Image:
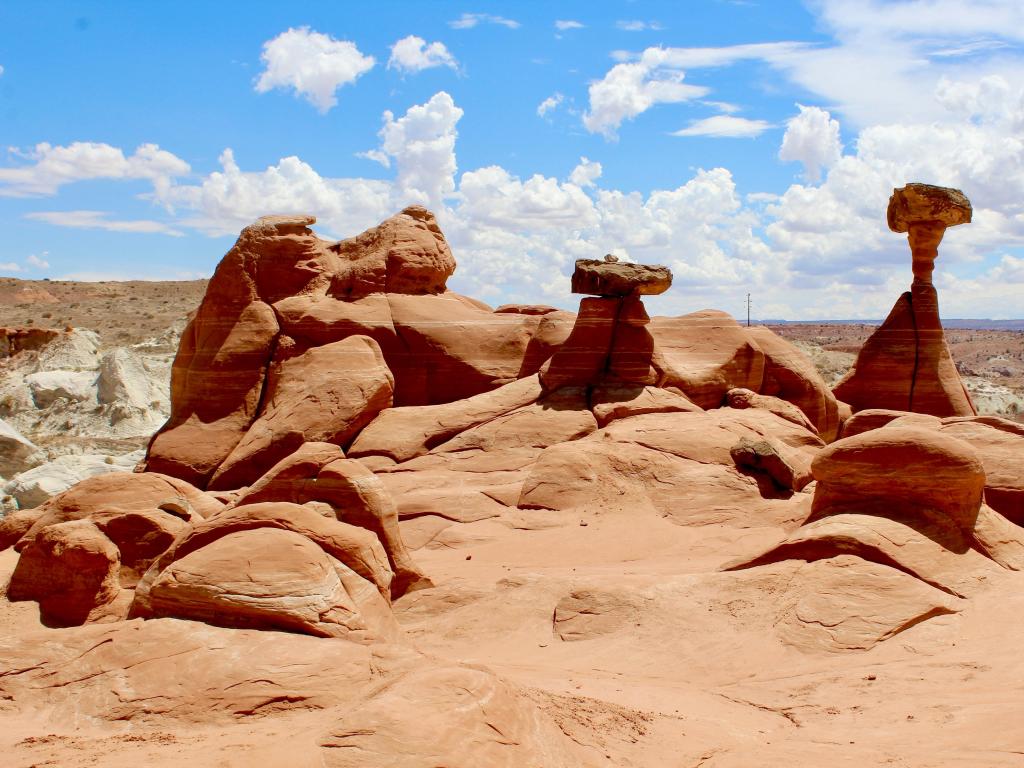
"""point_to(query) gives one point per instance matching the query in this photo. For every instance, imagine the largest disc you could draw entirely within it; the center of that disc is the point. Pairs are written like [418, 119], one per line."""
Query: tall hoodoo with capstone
[905, 365]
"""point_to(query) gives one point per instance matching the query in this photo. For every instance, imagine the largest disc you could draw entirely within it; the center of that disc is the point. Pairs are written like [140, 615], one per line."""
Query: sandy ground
[679, 665]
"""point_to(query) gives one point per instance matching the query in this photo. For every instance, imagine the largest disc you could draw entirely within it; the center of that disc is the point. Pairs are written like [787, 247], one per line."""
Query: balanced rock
[619, 279]
[906, 364]
[924, 211]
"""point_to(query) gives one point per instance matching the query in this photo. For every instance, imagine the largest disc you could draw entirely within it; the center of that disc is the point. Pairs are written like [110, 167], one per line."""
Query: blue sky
[749, 145]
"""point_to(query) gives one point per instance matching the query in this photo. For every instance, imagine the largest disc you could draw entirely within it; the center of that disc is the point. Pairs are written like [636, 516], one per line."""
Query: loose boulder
[898, 467]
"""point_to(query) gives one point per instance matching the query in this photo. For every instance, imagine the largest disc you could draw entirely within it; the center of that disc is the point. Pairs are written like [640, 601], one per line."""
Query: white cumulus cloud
[414, 54]
[586, 173]
[631, 88]
[550, 103]
[51, 167]
[224, 201]
[656, 76]
[725, 126]
[812, 139]
[38, 262]
[565, 24]
[422, 143]
[315, 65]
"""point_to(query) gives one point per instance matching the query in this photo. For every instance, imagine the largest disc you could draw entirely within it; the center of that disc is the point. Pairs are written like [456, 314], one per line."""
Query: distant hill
[966, 324]
[121, 312]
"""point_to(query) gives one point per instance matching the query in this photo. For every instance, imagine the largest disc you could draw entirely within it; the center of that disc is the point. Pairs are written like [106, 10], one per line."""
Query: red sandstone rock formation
[15, 340]
[905, 364]
[566, 479]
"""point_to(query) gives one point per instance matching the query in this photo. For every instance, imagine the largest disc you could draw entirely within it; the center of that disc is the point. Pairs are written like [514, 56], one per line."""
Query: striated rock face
[906, 364]
[643, 521]
[325, 394]
[294, 585]
[314, 574]
[279, 301]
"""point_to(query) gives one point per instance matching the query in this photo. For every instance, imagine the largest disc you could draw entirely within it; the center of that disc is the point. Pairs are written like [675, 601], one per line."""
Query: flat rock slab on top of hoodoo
[615, 278]
[916, 203]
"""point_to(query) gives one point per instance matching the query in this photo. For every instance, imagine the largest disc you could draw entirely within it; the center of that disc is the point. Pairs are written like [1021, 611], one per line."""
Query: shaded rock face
[70, 569]
[906, 364]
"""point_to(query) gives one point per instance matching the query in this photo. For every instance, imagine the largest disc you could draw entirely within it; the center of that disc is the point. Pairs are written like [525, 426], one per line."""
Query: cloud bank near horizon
[817, 249]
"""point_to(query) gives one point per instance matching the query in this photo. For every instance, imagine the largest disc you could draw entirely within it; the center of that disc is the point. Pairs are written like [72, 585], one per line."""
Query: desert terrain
[991, 362]
[132, 312]
[383, 524]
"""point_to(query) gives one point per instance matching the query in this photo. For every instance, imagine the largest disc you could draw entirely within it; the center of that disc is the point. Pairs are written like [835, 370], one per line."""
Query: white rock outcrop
[17, 452]
[33, 487]
[47, 387]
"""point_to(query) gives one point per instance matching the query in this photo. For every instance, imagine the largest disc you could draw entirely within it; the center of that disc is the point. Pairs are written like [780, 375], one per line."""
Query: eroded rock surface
[372, 492]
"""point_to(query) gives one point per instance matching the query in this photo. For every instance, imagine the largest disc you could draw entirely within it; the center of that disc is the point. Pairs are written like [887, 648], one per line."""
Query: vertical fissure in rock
[917, 351]
[611, 341]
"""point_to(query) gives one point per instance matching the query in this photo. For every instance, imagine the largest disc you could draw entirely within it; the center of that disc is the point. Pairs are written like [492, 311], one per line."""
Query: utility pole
[748, 310]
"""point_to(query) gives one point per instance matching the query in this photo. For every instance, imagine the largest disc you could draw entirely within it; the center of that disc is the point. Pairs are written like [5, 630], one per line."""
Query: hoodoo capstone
[611, 277]
[924, 211]
[906, 365]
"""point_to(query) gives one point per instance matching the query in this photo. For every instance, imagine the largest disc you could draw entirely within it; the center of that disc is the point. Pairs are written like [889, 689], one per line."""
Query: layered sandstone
[906, 364]
[635, 521]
